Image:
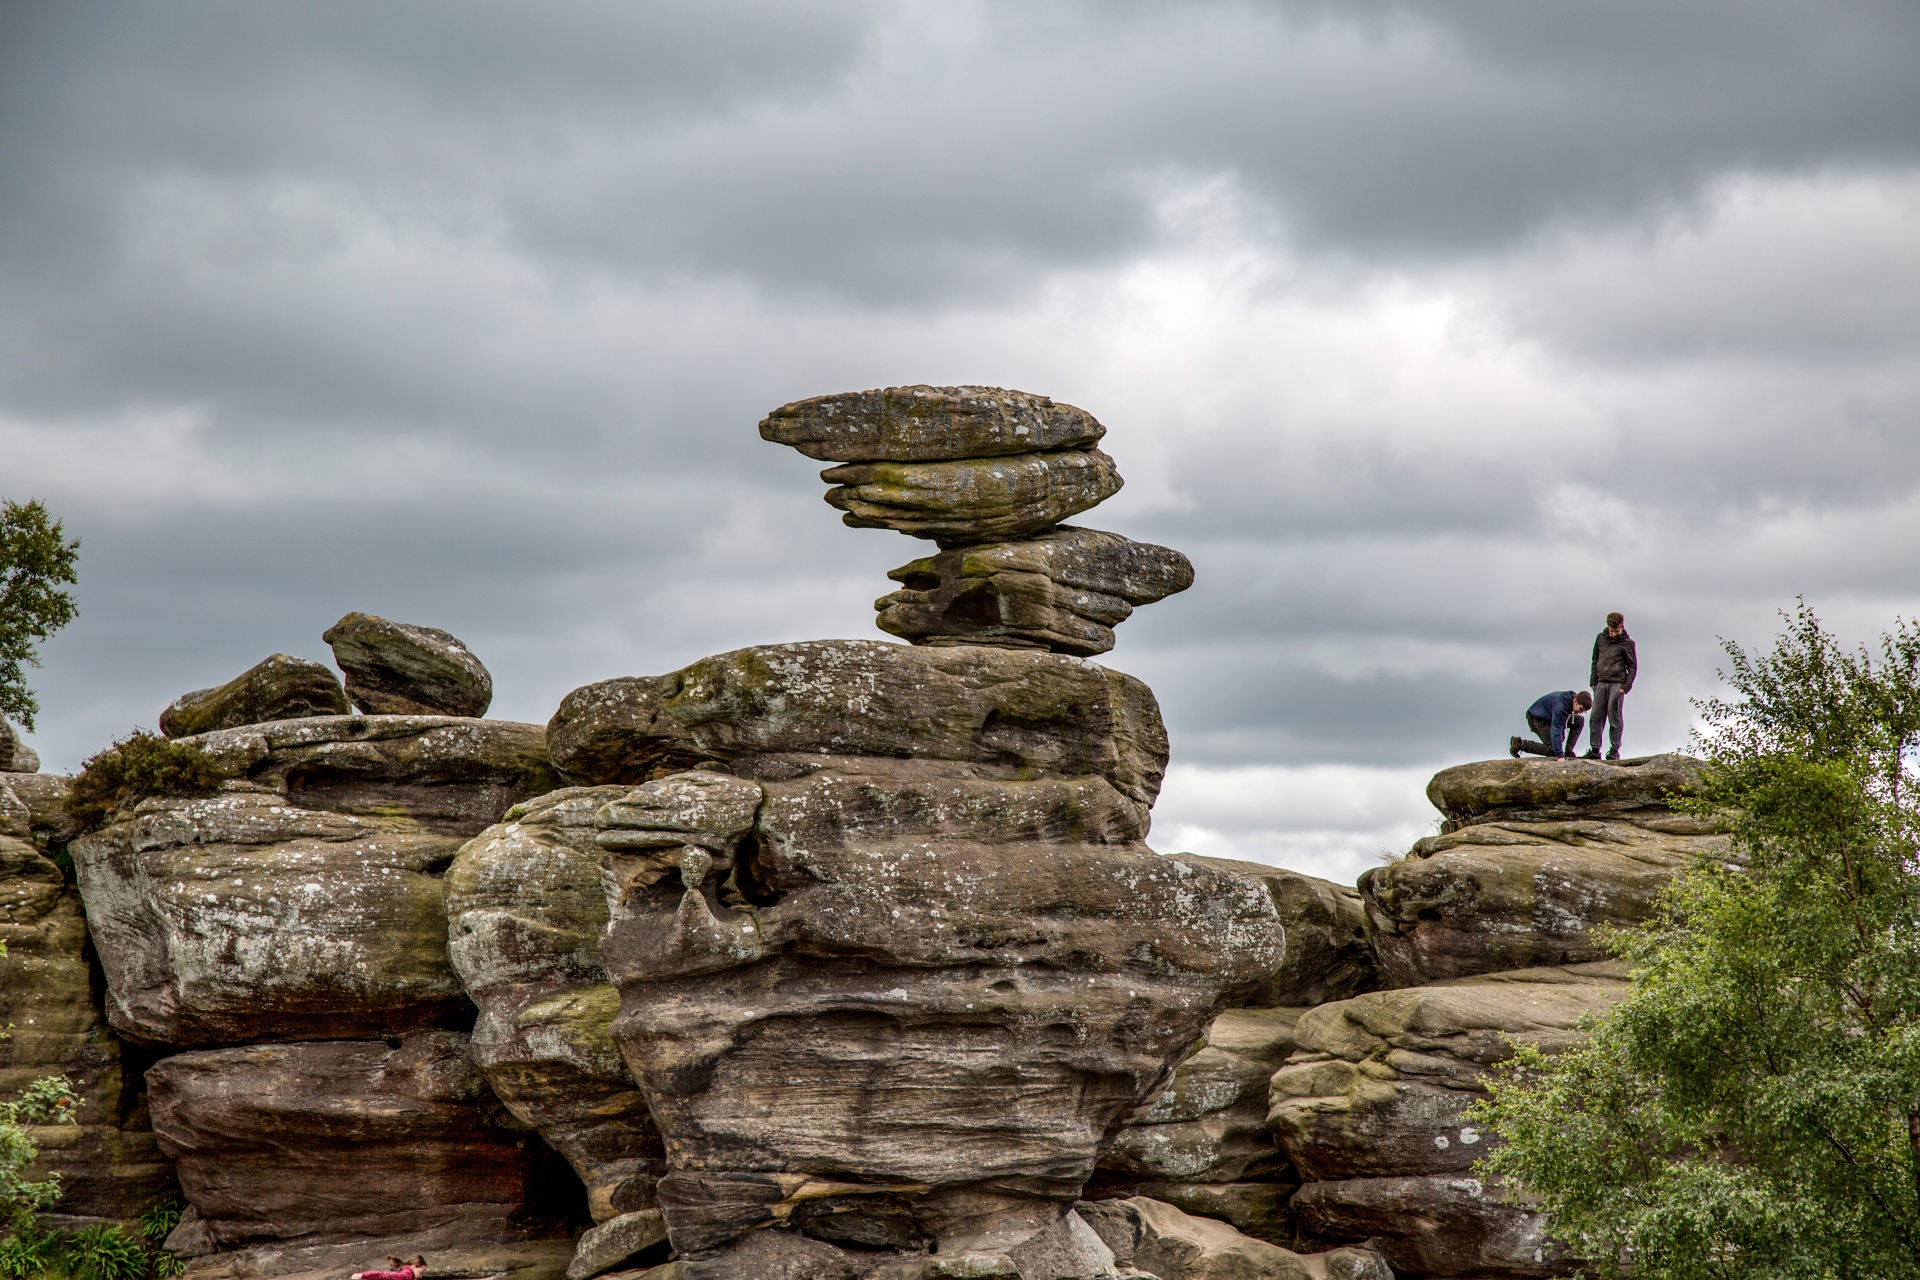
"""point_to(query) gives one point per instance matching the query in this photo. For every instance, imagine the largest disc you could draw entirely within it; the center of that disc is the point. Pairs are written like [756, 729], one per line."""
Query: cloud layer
[1430, 333]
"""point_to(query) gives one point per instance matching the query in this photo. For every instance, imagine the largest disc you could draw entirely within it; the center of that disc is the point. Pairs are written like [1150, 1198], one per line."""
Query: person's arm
[1593, 667]
[1633, 666]
[1558, 733]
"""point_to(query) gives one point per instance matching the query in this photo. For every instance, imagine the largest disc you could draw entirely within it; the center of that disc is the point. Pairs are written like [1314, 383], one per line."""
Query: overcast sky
[1430, 333]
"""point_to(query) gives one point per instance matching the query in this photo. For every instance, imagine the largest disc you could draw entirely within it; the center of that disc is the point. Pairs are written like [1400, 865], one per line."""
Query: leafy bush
[48, 1101]
[105, 1252]
[29, 1252]
[158, 1222]
[141, 764]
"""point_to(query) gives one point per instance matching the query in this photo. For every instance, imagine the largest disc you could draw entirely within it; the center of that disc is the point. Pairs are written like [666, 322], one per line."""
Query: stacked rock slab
[277, 688]
[894, 958]
[1204, 1145]
[1487, 932]
[989, 474]
[289, 931]
[108, 1163]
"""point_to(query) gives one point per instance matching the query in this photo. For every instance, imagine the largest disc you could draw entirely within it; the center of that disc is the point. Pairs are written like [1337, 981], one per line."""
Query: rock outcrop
[276, 688]
[1538, 855]
[108, 1162]
[989, 474]
[15, 755]
[1159, 1240]
[399, 669]
[525, 909]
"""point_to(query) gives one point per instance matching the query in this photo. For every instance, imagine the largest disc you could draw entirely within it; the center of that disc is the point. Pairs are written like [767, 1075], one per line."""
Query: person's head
[1615, 624]
[417, 1260]
[1582, 700]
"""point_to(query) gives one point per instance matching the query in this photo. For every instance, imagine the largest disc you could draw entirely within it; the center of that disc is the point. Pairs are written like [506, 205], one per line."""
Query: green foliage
[30, 1251]
[100, 1252]
[48, 1101]
[104, 1252]
[35, 558]
[141, 764]
[158, 1222]
[1752, 1107]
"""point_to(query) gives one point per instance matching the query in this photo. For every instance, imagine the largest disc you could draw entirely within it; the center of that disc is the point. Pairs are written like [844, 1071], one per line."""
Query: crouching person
[1556, 719]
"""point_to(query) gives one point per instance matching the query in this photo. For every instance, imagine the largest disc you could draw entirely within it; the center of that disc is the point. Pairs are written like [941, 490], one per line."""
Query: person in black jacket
[1555, 719]
[1615, 664]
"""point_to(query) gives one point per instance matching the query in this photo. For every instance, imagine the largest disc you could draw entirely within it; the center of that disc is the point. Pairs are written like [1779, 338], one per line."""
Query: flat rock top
[1540, 789]
[926, 424]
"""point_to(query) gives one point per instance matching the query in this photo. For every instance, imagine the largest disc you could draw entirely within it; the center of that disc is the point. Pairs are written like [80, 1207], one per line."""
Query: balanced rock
[998, 710]
[1203, 1144]
[917, 892]
[928, 424]
[305, 901]
[345, 1138]
[15, 755]
[1064, 590]
[1502, 892]
[277, 688]
[108, 1163]
[972, 499]
[397, 668]
[525, 909]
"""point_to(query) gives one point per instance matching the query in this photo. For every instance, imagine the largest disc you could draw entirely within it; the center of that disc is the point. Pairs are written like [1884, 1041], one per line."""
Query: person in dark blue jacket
[1556, 718]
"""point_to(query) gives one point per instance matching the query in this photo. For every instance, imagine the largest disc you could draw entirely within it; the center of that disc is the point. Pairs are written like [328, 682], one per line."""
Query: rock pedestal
[895, 959]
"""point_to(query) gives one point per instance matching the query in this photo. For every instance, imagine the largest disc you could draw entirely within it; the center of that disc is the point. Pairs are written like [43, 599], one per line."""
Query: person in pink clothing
[412, 1269]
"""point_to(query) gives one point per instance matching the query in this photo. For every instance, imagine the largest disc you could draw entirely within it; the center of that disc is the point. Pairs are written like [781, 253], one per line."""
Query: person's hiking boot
[1513, 747]
[1591, 755]
[1613, 755]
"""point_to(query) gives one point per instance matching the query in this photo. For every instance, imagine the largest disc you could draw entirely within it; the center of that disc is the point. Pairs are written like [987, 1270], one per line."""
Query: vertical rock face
[108, 1163]
[331, 1139]
[525, 909]
[889, 978]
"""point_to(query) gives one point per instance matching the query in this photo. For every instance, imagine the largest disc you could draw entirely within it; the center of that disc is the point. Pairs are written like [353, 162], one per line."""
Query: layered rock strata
[276, 688]
[108, 1163]
[894, 959]
[1488, 933]
[525, 909]
[401, 669]
[989, 474]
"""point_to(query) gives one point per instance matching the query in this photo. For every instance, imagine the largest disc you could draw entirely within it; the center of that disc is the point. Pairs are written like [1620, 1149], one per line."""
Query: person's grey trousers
[1609, 709]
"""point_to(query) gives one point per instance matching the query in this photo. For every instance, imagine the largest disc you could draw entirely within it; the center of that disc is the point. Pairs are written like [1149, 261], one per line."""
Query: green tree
[35, 558]
[48, 1101]
[1752, 1107]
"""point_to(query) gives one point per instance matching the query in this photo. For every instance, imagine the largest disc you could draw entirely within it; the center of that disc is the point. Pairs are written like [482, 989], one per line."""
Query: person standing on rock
[1556, 719]
[1615, 664]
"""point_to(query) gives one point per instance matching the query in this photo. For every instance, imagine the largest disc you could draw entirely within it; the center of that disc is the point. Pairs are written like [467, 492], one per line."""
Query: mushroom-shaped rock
[398, 668]
[928, 424]
[972, 499]
[276, 688]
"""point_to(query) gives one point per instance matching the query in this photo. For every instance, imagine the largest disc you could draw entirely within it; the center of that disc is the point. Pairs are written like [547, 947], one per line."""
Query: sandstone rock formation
[108, 1163]
[1160, 1240]
[15, 755]
[397, 668]
[525, 909]
[1538, 855]
[989, 474]
[917, 892]
[277, 688]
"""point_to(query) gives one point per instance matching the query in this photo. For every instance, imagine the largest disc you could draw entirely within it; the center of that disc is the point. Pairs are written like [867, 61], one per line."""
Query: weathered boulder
[1503, 892]
[891, 1001]
[452, 775]
[927, 424]
[525, 909]
[397, 668]
[1440, 1225]
[1377, 1085]
[1161, 1241]
[616, 1241]
[1329, 955]
[1203, 1144]
[276, 688]
[1064, 590]
[15, 755]
[1547, 790]
[972, 499]
[335, 1139]
[108, 1162]
[239, 917]
[1003, 712]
